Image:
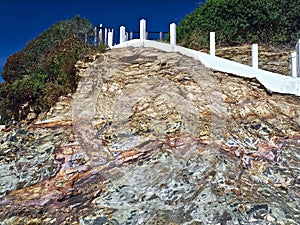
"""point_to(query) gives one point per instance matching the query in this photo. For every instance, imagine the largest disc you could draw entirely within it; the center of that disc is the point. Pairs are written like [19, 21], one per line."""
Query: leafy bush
[273, 22]
[36, 76]
[28, 60]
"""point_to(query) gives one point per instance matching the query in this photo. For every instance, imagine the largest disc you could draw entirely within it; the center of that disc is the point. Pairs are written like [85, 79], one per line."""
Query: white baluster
[110, 38]
[212, 43]
[298, 58]
[122, 34]
[100, 35]
[255, 56]
[143, 29]
[293, 64]
[173, 34]
[105, 36]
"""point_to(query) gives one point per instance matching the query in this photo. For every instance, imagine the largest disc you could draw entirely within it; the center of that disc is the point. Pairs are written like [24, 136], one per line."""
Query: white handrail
[273, 82]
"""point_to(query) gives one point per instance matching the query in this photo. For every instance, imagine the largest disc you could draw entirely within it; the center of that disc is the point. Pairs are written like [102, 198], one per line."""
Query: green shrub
[38, 75]
[273, 22]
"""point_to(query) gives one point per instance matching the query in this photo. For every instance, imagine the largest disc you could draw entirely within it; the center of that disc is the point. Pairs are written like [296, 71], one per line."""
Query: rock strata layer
[155, 138]
[270, 59]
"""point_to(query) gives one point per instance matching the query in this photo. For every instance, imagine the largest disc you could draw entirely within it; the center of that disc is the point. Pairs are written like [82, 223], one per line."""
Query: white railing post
[173, 34]
[100, 35]
[212, 43]
[110, 38]
[131, 35]
[255, 56]
[293, 64]
[298, 58]
[105, 36]
[95, 36]
[142, 29]
[122, 34]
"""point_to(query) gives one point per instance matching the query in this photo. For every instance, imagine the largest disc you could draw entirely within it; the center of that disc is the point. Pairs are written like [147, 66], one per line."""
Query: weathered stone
[2, 127]
[274, 60]
[31, 116]
[155, 138]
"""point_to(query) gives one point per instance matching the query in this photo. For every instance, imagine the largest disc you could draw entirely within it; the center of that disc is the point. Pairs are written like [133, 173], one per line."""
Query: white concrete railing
[295, 57]
[108, 40]
[273, 82]
[108, 36]
[144, 34]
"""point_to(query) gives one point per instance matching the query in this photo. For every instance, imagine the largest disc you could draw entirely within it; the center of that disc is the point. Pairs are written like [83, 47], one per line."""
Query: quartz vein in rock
[155, 138]
[143, 95]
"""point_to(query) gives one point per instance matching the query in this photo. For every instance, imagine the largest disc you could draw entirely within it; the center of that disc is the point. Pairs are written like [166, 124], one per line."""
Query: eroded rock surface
[270, 59]
[155, 138]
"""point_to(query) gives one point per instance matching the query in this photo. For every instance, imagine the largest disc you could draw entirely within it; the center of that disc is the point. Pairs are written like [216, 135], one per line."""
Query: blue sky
[23, 20]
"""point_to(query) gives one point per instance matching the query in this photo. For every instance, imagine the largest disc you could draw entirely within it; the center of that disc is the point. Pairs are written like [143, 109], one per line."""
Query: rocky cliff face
[271, 59]
[155, 138]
